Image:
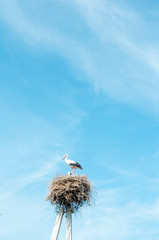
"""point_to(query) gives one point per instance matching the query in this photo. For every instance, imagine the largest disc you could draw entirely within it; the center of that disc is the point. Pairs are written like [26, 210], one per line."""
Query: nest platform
[70, 192]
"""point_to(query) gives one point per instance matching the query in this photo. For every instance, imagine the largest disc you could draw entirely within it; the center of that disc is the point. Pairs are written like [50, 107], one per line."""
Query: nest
[70, 192]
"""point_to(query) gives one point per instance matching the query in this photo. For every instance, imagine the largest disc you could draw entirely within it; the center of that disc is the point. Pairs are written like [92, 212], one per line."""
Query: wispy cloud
[13, 186]
[109, 24]
[110, 28]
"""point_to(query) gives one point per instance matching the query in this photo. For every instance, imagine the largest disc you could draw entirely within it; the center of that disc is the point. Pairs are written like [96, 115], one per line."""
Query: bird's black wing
[77, 165]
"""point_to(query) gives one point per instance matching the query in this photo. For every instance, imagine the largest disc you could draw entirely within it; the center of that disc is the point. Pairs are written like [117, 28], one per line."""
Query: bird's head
[66, 156]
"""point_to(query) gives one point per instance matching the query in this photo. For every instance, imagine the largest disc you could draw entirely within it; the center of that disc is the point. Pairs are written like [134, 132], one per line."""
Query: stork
[72, 163]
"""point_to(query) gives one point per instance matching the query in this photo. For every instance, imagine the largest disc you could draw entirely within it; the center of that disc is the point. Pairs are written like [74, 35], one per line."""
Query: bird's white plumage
[69, 161]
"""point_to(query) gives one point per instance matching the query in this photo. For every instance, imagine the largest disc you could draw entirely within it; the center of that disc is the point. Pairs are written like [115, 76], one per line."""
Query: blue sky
[81, 78]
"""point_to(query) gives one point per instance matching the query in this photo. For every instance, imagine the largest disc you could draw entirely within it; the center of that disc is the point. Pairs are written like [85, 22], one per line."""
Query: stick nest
[70, 191]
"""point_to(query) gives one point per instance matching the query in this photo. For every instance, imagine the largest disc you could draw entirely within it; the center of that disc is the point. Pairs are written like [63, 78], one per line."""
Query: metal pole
[57, 225]
[68, 224]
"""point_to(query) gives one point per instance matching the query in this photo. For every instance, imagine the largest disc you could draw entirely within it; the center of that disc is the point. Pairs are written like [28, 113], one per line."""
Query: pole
[57, 225]
[68, 224]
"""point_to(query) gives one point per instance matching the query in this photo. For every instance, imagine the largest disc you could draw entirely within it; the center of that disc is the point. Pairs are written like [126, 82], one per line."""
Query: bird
[72, 163]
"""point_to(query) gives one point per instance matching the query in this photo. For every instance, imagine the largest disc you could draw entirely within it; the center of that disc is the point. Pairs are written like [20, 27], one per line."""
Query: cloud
[108, 29]
[14, 185]
[122, 27]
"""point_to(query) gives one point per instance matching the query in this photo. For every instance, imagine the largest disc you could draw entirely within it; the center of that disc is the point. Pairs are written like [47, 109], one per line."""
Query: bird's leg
[73, 170]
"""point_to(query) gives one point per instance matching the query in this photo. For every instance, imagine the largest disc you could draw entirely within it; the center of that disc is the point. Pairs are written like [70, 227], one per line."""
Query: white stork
[72, 163]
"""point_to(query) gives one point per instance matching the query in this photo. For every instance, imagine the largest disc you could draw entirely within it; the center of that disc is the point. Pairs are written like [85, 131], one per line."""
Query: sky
[80, 77]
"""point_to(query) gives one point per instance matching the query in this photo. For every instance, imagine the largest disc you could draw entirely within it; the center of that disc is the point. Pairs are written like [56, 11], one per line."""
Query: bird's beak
[63, 158]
